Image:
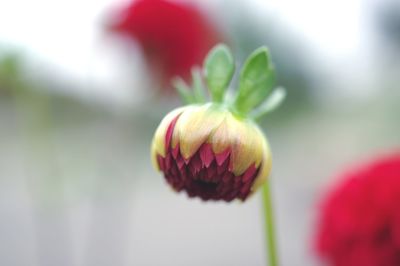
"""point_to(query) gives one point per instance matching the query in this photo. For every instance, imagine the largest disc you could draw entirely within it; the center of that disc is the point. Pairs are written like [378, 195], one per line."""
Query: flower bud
[208, 152]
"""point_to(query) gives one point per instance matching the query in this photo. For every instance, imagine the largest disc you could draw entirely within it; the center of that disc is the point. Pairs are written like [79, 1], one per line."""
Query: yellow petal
[265, 170]
[194, 127]
[221, 138]
[158, 144]
[243, 138]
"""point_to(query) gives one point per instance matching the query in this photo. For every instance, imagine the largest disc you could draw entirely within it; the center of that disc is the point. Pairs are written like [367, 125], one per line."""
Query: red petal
[160, 161]
[206, 154]
[180, 162]
[222, 168]
[170, 130]
[167, 162]
[195, 164]
[211, 172]
[244, 191]
[221, 157]
[175, 151]
[227, 177]
[249, 173]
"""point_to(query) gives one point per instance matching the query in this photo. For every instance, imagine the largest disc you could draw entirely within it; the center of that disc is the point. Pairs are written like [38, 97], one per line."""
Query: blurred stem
[43, 178]
[269, 225]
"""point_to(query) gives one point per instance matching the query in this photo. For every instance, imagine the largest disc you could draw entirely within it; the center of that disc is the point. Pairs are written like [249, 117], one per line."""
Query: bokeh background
[79, 103]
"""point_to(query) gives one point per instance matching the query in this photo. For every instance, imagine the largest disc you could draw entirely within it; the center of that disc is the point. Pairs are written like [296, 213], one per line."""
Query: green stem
[269, 225]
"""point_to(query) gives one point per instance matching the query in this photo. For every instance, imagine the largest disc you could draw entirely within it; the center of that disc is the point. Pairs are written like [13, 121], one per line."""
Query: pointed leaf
[197, 85]
[218, 71]
[271, 103]
[184, 91]
[256, 81]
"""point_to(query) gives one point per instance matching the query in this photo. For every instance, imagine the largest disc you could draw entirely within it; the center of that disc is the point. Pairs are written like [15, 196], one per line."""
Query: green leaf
[184, 91]
[219, 67]
[271, 103]
[197, 85]
[257, 79]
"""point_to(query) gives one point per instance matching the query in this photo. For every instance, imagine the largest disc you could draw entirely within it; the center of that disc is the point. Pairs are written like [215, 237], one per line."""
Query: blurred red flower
[360, 218]
[174, 36]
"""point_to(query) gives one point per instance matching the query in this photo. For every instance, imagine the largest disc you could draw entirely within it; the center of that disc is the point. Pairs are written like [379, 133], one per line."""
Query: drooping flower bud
[215, 150]
[208, 152]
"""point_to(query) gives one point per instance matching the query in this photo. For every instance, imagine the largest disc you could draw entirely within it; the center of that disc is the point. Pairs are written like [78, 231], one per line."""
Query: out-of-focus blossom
[360, 219]
[174, 36]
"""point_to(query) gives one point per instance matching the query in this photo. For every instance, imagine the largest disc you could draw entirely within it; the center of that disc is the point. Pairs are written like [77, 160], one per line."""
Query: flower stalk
[213, 149]
[270, 238]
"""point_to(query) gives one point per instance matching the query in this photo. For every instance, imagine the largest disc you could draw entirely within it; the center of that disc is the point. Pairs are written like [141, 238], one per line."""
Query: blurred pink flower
[174, 36]
[360, 218]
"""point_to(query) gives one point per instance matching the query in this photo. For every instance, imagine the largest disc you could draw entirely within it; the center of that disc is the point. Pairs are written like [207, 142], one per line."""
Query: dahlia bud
[208, 152]
[215, 150]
